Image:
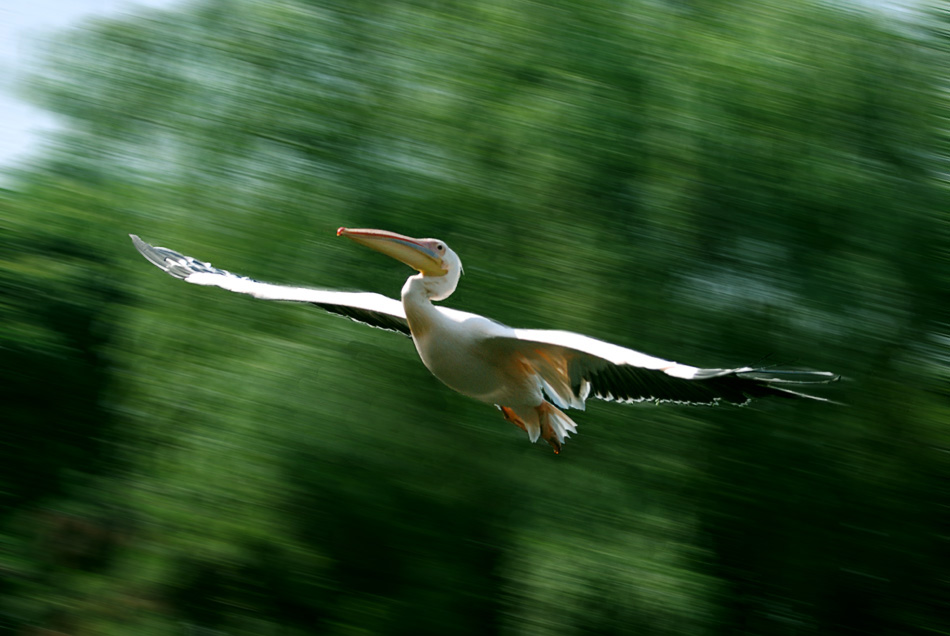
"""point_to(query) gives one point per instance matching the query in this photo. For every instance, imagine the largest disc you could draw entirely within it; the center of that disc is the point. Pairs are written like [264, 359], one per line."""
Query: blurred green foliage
[712, 182]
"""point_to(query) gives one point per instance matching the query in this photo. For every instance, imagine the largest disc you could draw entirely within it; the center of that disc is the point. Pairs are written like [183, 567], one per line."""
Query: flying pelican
[529, 374]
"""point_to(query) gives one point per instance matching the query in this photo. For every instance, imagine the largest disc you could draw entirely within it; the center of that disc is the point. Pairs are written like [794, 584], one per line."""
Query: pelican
[529, 374]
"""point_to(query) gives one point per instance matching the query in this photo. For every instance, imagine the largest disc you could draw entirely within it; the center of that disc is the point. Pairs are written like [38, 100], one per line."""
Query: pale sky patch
[24, 26]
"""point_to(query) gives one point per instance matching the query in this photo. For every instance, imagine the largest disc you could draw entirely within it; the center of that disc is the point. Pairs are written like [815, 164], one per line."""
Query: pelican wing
[572, 367]
[374, 310]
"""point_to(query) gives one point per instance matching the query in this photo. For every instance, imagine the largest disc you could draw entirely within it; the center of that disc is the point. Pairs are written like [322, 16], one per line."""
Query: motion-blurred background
[711, 182]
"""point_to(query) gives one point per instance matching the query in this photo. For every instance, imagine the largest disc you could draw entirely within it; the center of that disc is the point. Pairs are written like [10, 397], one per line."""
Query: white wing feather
[375, 310]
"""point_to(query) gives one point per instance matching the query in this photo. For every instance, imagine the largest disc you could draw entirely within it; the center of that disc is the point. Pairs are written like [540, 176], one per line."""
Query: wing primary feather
[174, 263]
[373, 319]
[627, 383]
[788, 376]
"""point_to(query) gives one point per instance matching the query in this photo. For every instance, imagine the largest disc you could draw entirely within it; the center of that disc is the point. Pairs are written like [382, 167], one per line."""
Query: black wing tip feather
[788, 376]
[708, 387]
[776, 382]
[175, 263]
[627, 383]
[371, 319]
[157, 256]
[169, 261]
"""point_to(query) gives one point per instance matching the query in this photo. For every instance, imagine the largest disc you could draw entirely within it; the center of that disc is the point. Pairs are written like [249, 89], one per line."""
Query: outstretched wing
[573, 367]
[374, 310]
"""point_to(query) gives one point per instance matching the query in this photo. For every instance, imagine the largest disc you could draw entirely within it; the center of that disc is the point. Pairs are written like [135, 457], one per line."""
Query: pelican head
[438, 266]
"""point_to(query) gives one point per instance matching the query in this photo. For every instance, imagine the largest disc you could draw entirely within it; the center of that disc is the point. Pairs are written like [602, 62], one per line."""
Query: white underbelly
[456, 359]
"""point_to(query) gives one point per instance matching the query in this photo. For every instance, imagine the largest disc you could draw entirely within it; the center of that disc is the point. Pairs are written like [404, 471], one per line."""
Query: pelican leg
[549, 436]
[512, 417]
[555, 425]
[547, 431]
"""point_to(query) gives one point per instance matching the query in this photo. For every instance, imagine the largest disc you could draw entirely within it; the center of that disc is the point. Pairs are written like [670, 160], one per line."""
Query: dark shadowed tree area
[718, 183]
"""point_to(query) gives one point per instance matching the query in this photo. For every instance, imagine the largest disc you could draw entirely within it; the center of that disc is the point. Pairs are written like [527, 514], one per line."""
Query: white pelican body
[456, 348]
[449, 347]
[518, 370]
